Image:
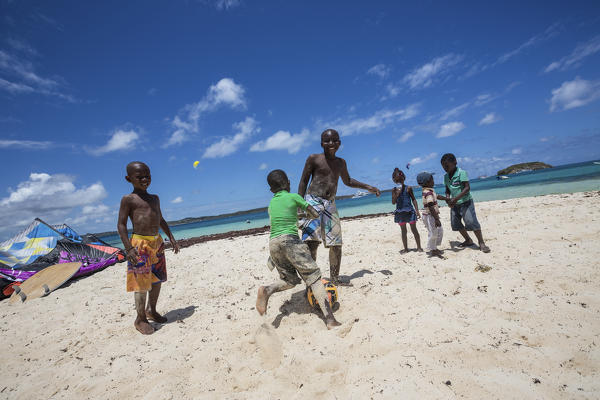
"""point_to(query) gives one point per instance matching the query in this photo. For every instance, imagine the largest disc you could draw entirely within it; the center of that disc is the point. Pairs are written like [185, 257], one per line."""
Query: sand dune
[413, 326]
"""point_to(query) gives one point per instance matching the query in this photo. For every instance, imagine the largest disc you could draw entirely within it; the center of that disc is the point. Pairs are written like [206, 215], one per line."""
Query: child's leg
[141, 322]
[264, 292]
[482, 244]
[335, 260]
[319, 292]
[413, 228]
[430, 225]
[404, 238]
[151, 312]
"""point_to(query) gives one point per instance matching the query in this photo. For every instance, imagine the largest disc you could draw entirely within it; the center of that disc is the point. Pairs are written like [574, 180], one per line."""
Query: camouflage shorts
[291, 257]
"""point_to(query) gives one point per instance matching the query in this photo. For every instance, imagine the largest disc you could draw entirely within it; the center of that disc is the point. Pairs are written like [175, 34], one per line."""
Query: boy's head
[398, 176]
[448, 162]
[330, 142]
[138, 174]
[425, 179]
[278, 181]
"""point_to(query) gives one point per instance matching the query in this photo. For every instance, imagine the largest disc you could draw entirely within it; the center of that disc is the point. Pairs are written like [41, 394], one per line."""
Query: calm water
[564, 179]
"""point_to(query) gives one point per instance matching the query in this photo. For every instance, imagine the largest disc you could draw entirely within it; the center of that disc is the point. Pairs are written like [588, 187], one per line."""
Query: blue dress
[405, 211]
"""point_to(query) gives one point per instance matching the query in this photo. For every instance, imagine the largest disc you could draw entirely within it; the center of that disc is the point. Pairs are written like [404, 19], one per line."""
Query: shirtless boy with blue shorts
[323, 170]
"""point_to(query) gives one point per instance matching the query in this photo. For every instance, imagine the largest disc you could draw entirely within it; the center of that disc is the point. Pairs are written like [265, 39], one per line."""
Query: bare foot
[419, 249]
[466, 243]
[404, 251]
[437, 253]
[484, 248]
[332, 323]
[143, 326]
[261, 300]
[156, 317]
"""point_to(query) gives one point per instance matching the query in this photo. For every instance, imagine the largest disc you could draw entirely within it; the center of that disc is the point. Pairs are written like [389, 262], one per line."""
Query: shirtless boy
[323, 170]
[146, 268]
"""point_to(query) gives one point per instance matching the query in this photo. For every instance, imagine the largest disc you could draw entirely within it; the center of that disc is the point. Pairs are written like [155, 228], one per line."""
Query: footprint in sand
[269, 346]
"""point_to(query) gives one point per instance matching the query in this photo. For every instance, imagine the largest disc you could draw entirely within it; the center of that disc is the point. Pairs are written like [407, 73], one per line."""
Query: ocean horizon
[569, 178]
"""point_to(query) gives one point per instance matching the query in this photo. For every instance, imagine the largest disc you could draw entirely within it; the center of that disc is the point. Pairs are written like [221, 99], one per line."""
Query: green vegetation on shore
[528, 166]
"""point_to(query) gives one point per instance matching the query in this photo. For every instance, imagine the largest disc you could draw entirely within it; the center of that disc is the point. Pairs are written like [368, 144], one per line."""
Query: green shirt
[283, 211]
[455, 184]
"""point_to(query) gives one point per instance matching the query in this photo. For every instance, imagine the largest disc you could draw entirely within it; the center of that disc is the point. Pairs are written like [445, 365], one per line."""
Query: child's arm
[165, 227]
[354, 183]
[440, 197]
[435, 215]
[306, 174]
[395, 194]
[414, 201]
[466, 189]
[130, 251]
[312, 213]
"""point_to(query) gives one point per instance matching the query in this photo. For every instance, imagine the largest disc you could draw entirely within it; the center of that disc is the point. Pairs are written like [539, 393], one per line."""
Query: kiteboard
[45, 281]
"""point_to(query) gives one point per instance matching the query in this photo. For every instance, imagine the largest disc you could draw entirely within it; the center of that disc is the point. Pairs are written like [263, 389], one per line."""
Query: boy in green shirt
[290, 255]
[460, 201]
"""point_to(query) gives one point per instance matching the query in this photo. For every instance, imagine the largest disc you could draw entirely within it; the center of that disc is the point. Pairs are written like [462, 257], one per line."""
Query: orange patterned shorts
[151, 267]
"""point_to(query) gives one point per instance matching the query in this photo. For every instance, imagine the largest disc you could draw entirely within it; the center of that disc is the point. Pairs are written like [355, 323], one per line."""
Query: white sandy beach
[413, 327]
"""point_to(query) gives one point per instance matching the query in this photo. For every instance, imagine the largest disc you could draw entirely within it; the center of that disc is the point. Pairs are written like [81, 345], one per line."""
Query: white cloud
[120, 140]
[450, 129]
[226, 4]
[406, 136]
[517, 150]
[489, 119]
[20, 77]
[375, 160]
[53, 198]
[152, 91]
[392, 91]
[177, 200]
[550, 32]
[573, 94]
[544, 139]
[380, 70]
[419, 160]
[263, 166]
[454, 112]
[228, 145]
[574, 59]
[283, 140]
[375, 122]
[225, 92]
[483, 99]
[425, 75]
[25, 144]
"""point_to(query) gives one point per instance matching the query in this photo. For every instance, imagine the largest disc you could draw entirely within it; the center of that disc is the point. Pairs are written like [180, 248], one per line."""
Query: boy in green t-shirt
[290, 255]
[460, 201]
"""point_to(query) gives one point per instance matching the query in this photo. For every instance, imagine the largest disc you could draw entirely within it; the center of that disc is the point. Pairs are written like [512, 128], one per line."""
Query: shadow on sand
[298, 304]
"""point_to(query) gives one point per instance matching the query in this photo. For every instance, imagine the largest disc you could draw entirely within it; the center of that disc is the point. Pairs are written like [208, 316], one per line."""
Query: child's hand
[132, 256]
[375, 190]
[175, 246]
[451, 202]
[418, 215]
[438, 223]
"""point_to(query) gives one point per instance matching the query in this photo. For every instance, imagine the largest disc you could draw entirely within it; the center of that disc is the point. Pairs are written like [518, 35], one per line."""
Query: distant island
[529, 166]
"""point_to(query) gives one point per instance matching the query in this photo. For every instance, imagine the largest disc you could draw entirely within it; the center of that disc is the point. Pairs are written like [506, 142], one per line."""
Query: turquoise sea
[562, 179]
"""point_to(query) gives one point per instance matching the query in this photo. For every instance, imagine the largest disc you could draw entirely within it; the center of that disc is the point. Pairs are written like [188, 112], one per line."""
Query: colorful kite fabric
[41, 245]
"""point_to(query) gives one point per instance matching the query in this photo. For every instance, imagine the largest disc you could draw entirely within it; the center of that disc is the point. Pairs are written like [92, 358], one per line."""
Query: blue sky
[245, 87]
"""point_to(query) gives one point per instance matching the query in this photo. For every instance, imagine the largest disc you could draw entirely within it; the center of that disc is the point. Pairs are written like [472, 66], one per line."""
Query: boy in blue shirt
[290, 255]
[460, 202]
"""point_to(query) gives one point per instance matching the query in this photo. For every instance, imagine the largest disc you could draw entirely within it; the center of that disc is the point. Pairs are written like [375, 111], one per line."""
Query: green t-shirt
[283, 211]
[455, 184]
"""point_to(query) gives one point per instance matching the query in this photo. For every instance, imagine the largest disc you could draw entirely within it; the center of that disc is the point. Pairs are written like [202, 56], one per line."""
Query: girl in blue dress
[407, 210]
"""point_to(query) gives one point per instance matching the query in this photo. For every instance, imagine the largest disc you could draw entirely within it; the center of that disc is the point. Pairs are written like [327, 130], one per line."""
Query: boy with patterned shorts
[323, 171]
[146, 267]
[288, 254]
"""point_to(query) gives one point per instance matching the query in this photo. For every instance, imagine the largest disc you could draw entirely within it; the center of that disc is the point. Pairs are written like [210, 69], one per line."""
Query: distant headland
[528, 166]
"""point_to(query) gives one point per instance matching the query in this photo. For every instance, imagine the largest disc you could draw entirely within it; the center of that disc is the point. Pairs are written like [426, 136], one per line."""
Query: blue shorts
[405, 217]
[464, 212]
